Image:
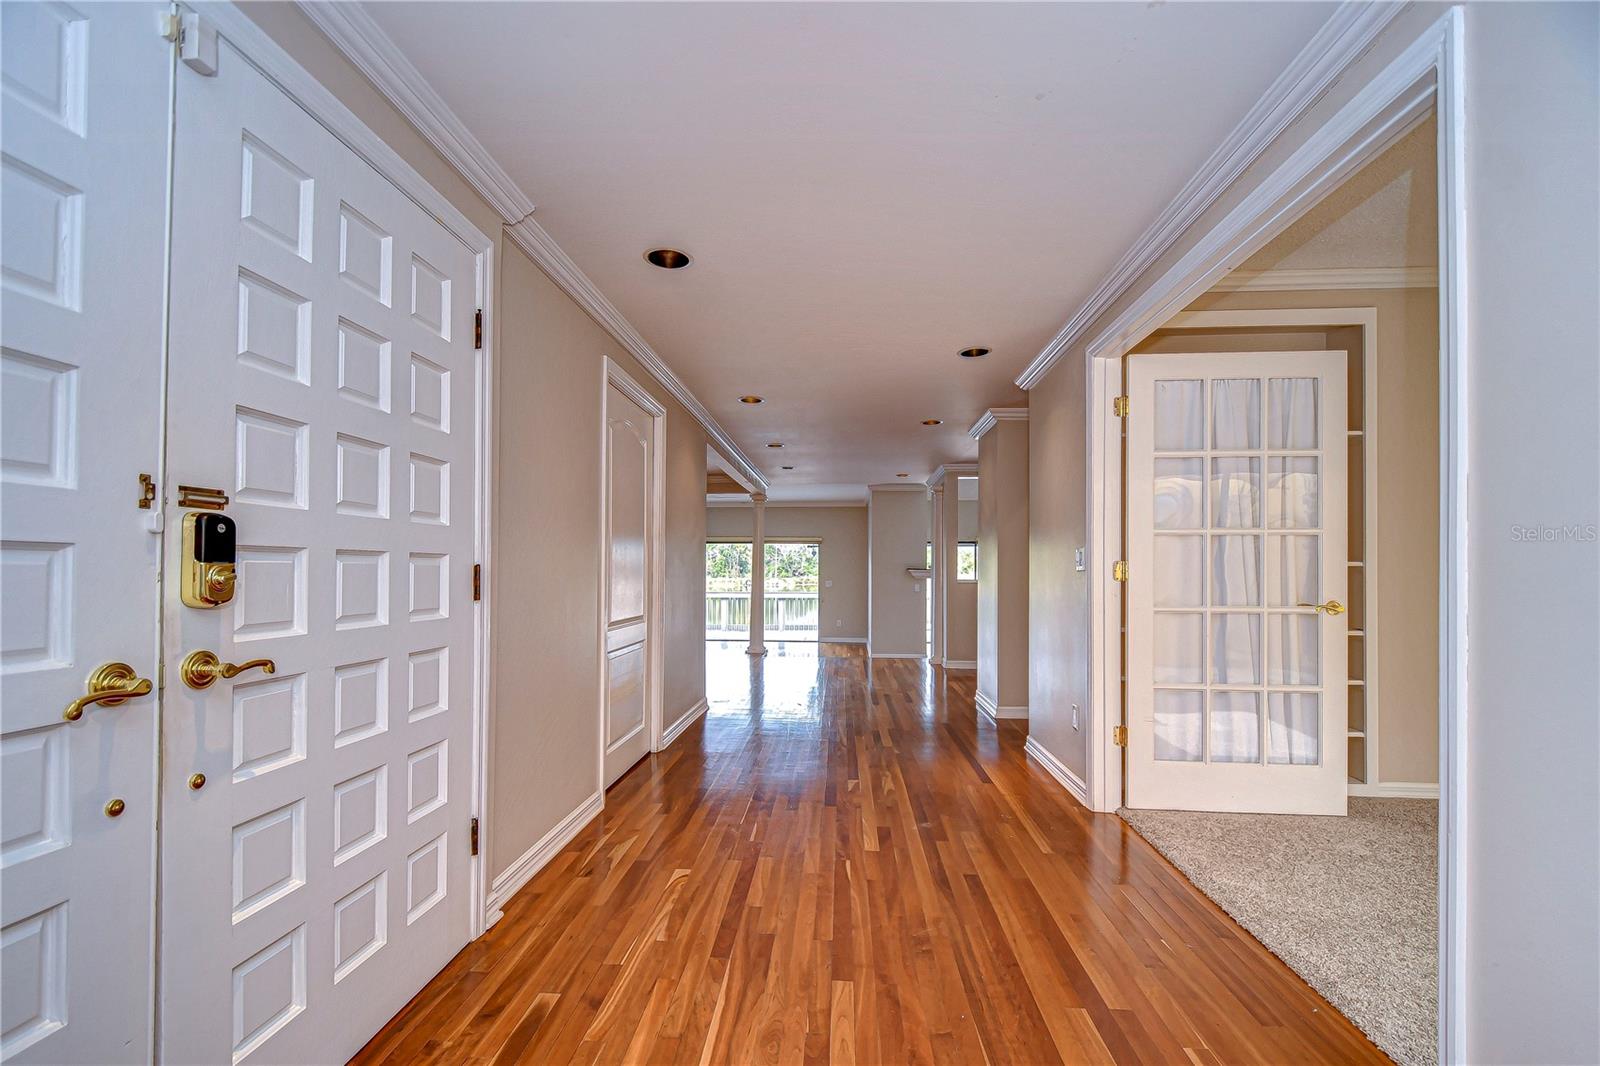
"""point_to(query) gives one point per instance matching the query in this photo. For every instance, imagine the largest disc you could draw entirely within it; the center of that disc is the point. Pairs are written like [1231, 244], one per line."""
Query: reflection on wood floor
[844, 868]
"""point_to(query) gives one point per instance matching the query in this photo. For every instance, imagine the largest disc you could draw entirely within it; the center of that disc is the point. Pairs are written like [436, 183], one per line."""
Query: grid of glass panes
[1236, 649]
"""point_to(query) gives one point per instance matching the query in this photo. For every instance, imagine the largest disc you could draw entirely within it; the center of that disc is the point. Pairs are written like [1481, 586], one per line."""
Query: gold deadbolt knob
[197, 781]
[115, 808]
[202, 669]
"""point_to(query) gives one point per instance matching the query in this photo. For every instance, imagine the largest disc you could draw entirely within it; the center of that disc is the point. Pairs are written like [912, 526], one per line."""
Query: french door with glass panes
[1236, 493]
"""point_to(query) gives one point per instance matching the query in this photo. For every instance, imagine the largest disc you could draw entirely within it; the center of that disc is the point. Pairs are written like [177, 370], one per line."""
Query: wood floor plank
[844, 862]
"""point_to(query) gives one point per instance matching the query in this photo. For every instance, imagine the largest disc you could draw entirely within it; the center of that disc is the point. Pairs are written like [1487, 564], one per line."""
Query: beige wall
[842, 609]
[1003, 565]
[1532, 104]
[898, 527]
[961, 613]
[549, 360]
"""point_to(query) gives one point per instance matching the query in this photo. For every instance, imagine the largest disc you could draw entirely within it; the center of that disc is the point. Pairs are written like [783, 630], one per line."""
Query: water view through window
[791, 590]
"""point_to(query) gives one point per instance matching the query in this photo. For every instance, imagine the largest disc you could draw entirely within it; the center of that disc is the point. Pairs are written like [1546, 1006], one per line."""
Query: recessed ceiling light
[933, 421]
[668, 258]
[752, 400]
[774, 444]
[902, 475]
[973, 353]
[788, 468]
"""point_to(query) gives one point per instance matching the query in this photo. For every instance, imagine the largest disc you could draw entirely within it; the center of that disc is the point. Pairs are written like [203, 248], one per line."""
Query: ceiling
[865, 188]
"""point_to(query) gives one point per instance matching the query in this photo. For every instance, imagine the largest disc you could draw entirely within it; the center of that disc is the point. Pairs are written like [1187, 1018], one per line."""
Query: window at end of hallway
[967, 561]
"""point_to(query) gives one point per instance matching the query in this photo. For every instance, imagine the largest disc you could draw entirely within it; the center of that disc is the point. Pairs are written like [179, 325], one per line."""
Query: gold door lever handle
[110, 684]
[202, 669]
[1331, 607]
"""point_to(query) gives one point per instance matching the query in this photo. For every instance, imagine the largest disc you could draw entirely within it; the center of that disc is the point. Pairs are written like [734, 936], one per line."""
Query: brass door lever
[202, 669]
[110, 684]
[1331, 607]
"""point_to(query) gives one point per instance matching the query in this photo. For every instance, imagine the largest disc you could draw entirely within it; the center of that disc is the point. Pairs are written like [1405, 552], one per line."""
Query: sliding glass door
[791, 590]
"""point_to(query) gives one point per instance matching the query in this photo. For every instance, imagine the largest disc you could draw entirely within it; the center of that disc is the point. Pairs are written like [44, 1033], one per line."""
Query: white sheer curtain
[1294, 728]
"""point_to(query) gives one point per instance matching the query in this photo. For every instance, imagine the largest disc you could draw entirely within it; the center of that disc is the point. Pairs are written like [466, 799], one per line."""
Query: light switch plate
[1077, 558]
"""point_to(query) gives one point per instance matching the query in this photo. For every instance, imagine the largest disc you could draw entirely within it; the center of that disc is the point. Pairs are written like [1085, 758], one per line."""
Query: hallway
[833, 867]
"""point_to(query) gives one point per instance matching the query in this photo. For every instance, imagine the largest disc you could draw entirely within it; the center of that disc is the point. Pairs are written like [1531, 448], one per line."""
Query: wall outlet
[1074, 716]
[827, 584]
[838, 623]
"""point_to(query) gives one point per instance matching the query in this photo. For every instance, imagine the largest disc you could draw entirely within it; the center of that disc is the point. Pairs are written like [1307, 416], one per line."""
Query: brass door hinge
[1119, 571]
[474, 836]
[1119, 736]
[147, 491]
[477, 331]
[1119, 407]
[477, 582]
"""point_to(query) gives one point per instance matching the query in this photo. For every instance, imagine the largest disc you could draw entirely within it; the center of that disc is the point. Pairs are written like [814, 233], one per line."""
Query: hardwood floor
[835, 869]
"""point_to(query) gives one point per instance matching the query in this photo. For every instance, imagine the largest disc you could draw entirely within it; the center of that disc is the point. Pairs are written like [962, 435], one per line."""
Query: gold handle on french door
[110, 684]
[202, 669]
[1332, 607]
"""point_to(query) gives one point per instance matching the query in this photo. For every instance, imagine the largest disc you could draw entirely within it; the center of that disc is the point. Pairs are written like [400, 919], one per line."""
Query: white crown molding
[365, 44]
[1339, 43]
[952, 470]
[992, 417]
[543, 250]
[781, 505]
[1409, 277]
[898, 486]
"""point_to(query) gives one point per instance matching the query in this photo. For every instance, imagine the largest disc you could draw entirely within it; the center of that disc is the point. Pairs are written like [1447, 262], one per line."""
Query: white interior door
[1236, 534]
[83, 195]
[322, 375]
[630, 435]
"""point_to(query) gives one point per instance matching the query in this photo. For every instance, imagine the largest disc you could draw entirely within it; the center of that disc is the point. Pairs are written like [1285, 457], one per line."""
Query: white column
[936, 579]
[758, 578]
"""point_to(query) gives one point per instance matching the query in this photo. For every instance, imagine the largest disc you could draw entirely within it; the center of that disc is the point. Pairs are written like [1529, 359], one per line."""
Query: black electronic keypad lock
[208, 557]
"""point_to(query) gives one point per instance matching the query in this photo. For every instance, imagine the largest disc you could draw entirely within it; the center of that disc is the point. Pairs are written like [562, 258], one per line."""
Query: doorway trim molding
[1428, 75]
[261, 51]
[656, 554]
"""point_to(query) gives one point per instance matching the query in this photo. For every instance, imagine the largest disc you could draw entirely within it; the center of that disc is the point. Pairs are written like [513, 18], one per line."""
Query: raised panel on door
[629, 439]
[322, 375]
[83, 182]
[1236, 534]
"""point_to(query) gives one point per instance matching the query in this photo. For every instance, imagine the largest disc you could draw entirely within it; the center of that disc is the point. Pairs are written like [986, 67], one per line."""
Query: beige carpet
[1349, 903]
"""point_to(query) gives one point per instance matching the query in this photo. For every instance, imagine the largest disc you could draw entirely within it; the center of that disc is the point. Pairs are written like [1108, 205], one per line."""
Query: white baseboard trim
[997, 712]
[675, 730]
[961, 664]
[1397, 790]
[535, 858]
[841, 640]
[1058, 770]
[896, 654]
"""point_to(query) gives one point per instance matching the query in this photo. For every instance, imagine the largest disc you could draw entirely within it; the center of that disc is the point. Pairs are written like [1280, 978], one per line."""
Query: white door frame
[655, 555]
[267, 56]
[1427, 76]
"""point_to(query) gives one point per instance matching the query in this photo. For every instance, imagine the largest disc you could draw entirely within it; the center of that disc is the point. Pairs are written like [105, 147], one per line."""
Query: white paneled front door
[630, 435]
[322, 375]
[83, 191]
[1237, 532]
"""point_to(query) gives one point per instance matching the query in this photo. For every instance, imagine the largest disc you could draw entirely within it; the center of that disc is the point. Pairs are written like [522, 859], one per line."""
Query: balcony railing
[791, 615]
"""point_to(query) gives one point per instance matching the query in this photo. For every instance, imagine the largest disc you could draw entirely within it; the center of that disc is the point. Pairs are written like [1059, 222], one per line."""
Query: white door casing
[322, 373]
[628, 563]
[1237, 524]
[84, 115]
